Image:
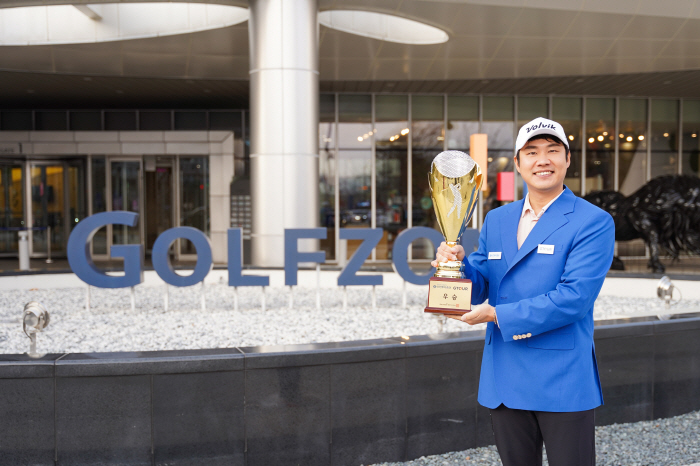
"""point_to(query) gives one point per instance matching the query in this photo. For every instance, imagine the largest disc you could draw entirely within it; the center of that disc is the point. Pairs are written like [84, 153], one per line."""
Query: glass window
[126, 195]
[326, 172]
[354, 162]
[391, 142]
[194, 197]
[155, 121]
[428, 139]
[12, 205]
[120, 120]
[99, 202]
[499, 125]
[633, 145]
[691, 137]
[391, 107]
[227, 121]
[664, 137]
[77, 204]
[85, 121]
[600, 144]
[530, 108]
[355, 108]
[51, 121]
[190, 121]
[326, 104]
[17, 121]
[567, 112]
[47, 207]
[462, 121]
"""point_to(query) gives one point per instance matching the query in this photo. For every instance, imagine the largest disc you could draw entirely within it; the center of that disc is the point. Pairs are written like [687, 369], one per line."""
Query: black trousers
[569, 437]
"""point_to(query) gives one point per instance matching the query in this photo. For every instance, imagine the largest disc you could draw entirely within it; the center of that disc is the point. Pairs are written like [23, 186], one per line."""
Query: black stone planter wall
[347, 403]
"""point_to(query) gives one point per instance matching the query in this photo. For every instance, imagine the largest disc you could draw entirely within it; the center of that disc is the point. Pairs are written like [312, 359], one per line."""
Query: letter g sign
[80, 259]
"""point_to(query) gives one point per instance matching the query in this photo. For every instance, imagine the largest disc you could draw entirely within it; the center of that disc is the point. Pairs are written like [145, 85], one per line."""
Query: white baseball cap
[539, 126]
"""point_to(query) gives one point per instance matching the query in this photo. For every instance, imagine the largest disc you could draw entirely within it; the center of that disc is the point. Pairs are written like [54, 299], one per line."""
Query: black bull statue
[665, 213]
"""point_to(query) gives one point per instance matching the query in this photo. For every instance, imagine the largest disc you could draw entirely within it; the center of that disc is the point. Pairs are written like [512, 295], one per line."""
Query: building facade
[274, 114]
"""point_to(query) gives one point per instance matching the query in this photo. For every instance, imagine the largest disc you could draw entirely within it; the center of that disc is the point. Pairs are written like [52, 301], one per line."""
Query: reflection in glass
[498, 124]
[354, 163]
[326, 193]
[428, 139]
[47, 207]
[462, 121]
[126, 196]
[691, 137]
[77, 205]
[194, 200]
[600, 144]
[633, 145]
[391, 143]
[567, 112]
[99, 202]
[664, 137]
[158, 200]
[12, 205]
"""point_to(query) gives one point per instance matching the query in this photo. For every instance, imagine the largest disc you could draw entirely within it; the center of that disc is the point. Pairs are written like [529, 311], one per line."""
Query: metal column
[284, 96]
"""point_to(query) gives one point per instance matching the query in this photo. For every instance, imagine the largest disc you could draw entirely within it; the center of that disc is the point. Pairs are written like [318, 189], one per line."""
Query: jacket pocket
[553, 341]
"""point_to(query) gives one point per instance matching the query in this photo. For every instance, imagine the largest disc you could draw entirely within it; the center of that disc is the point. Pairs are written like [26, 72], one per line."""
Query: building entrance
[57, 197]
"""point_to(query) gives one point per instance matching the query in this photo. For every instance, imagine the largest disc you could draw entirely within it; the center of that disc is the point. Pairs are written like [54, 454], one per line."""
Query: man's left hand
[478, 315]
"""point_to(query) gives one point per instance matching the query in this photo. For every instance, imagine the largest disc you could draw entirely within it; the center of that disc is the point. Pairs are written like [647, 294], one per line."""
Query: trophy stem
[450, 269]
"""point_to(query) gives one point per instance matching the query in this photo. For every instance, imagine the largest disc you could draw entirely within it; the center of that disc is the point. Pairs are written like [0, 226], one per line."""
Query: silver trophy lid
[453, 163]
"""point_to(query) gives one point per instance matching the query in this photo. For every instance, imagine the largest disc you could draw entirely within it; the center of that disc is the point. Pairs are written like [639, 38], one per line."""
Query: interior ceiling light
[68, 24]
[382, 26]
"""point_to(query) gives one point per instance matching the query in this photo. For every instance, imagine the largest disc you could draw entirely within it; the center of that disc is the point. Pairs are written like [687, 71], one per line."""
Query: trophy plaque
[455, 181]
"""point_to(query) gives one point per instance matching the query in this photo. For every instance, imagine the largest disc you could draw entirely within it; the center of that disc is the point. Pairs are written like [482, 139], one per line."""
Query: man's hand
[478, 315]
[446, 253]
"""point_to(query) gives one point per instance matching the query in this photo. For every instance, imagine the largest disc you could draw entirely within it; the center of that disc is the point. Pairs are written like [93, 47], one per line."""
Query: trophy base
[449, 296]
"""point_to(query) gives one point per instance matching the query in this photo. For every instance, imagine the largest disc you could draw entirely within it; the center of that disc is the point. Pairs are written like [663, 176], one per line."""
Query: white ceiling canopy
[382, 26]
[68, 24]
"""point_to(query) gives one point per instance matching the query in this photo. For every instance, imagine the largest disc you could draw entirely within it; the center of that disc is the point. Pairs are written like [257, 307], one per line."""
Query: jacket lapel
[509, 230]
[553, 219]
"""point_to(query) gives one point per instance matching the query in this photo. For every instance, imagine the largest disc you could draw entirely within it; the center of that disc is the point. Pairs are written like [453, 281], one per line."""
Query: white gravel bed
[663, 442]
[111, 325]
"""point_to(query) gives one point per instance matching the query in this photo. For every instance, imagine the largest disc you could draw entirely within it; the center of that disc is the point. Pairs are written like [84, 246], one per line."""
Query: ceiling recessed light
[382, 26]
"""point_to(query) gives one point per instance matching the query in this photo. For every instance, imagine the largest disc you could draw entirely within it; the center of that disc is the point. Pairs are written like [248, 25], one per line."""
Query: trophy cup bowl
[455, 181]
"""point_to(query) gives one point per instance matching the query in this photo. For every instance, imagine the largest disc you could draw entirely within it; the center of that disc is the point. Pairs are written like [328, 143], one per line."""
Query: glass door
[48, 220]
[11, 206]
[159, 198]
[125, 181]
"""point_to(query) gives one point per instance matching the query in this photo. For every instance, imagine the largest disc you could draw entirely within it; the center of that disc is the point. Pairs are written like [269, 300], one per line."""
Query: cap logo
[541, 125]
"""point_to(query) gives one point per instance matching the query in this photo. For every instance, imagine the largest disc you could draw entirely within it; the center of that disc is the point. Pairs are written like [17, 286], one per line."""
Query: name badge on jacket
[495, 255]
[545, 249]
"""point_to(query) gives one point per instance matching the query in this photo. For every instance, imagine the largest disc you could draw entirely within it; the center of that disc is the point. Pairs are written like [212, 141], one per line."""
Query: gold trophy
[455, 181]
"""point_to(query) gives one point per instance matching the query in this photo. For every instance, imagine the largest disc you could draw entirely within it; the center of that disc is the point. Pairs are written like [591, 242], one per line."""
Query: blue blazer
[541, 356]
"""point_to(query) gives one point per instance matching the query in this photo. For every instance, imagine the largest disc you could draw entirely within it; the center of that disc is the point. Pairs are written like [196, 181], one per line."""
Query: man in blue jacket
[541, 263]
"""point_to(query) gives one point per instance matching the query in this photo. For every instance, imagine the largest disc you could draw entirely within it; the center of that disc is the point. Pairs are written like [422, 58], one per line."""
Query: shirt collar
[528, 207]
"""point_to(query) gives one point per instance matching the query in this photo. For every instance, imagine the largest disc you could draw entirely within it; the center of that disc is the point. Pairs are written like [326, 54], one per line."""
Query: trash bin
[23, 250]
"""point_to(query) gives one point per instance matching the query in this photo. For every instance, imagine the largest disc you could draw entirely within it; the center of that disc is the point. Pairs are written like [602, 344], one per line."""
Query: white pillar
[284, 124]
